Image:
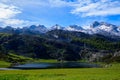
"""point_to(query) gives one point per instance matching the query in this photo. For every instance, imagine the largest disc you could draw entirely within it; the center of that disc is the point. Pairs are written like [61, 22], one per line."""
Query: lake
[55, 65]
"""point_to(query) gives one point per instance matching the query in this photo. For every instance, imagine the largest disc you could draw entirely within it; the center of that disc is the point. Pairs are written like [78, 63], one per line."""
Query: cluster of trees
[98, 43]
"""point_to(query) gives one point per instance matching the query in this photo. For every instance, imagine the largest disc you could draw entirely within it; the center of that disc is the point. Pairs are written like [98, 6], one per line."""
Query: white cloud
[8, 11]
[96, 7]
[14, 22]
[59, 3]
[79, 7]
[8, 16]
[40, 3]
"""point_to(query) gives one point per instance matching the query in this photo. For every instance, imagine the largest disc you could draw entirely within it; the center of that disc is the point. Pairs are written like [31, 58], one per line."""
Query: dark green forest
[58, 44]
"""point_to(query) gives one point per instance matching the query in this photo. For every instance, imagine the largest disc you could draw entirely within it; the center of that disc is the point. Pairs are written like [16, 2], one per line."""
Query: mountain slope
[104, 29]
[71, 44]
[39, 28]
[74, 28]
[56, 27]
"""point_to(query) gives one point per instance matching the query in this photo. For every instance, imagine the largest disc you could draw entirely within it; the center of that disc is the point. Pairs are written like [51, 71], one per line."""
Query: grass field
[4, 64]
[45, 60]
[111, 73]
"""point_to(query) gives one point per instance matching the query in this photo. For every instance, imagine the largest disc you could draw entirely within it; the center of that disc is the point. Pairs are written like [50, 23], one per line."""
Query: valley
[60, 47]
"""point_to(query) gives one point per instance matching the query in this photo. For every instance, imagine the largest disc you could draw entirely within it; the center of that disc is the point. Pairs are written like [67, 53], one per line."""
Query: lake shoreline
[56, 65]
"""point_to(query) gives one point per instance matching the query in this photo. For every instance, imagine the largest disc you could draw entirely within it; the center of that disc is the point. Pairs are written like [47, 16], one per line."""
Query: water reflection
[56, 65]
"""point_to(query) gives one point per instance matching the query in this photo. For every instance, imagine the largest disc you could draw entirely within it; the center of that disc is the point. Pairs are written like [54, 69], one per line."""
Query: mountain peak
[39, 28]
[32, 27]
[56, 26]
[95, 24]
[74, 28]
[42, 26]
[104, 29]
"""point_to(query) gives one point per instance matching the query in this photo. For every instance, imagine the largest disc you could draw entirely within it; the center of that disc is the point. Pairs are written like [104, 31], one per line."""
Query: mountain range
[101, 28]
[99, 42]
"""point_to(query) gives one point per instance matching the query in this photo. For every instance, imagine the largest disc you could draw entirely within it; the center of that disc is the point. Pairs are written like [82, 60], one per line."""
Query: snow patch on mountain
[39, 28]
[56, 26]
[74, 28]
[104, 29]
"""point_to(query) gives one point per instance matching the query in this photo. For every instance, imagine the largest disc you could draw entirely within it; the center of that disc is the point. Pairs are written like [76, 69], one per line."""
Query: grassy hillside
[13, 59]
[4, 64]
[111, 73]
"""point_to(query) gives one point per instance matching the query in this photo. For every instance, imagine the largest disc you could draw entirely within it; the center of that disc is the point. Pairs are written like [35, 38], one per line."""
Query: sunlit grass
[45, 60]
[111, 73]
[4, 64]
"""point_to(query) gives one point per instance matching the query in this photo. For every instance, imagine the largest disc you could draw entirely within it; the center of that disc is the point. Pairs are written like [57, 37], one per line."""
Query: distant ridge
[96, 27]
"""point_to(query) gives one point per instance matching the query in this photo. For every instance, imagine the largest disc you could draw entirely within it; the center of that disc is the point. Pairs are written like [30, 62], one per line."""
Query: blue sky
[20, 13]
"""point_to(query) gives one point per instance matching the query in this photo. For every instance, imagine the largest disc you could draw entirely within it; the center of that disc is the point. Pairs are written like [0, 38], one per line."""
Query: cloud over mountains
[96, 7]
[19, 13]
[8, 15]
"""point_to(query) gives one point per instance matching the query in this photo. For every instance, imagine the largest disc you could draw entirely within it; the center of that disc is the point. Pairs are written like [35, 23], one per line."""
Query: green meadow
[4, 64]
[109, 73]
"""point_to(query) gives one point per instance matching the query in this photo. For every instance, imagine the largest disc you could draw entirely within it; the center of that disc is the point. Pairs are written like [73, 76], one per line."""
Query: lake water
[55, 65]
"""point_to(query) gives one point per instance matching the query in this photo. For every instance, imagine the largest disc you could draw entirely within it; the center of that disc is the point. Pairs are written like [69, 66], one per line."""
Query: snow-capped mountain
[7, 29]
[74, 28]
[104, 29]
[39, 28]
[56, 26]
